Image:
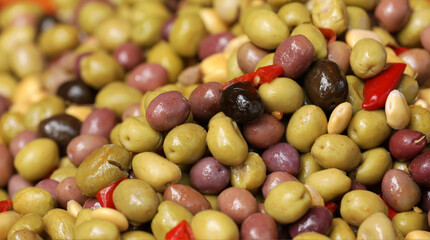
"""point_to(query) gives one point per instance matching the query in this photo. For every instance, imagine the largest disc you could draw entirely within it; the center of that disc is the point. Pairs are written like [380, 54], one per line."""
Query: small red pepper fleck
[332, 206]
[182, 231]
[391, 212]
[329, 34]
[104, 196]
[399, 50]
[262, 75]
[377, 89]
[5, 205]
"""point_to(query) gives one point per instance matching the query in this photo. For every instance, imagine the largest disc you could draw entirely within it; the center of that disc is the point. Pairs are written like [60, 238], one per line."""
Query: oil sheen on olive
[61, 128]
[325, 85]
[241, 102]
[76, 92]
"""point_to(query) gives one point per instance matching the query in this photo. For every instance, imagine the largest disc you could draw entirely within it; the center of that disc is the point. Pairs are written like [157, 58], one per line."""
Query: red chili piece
[391, 212]
[104, 196]
[329, 34]
[332, 206]
[377, 89]
[182, 231]
[399, 50]
[5, 205]
[264, 75]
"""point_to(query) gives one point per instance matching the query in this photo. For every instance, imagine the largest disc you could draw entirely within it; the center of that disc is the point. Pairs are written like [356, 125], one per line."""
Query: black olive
[325, 85]
[241, 102]
[61, 128]
[76, 92]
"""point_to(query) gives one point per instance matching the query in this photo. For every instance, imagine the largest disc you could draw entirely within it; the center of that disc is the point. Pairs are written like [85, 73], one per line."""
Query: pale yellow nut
[393, 58]
[228, 10]
[73, 208]
[339, 118]
[424, 94]
[317, 200]
[28, 91]
[217, 76]
[397, 110]
[79, 112]
[234, 44]
[417, 235]
[422, 103]
[355, 35]
[112, 216]
[214, 68]
[212, 21]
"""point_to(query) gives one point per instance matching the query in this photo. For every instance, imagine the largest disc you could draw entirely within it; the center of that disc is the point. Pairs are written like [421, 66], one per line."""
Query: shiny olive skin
[355, 92]
[20, 140]
[168, 216]
[128, 55]
[136, 135]
[6, 165]
[264, 132]
[97, 229]
[248, 56]
[212, 224]
[186, 33]
[282, 157]
[317, 219]
[377, 226]
[68, 190]
[339, 52]
[330, 183]
[258, 226]
[49, 185]
[325, 85]
[100, 122]
[209, 176]
[374, 164]
[33, 200]
[237, 203]
[368, 58]
[61, 128]
[241, 102]
[82, 146]
[419, 168]
[419, 60]
[341, 230]
[406, 144]
[187, 197]
[273, 179]
[76, 92]
[147, 77]
[205, 101]
[393, 14]
[406, 222]
[59, 224]
[214, 43]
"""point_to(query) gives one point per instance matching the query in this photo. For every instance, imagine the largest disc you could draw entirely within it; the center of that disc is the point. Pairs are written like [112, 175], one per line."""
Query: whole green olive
[212, 224]
[187, 32]
[374, 163]
[7, 220]
[358, 18]
[168, 216]
[59, 224]
[117, 96]
[97, 229]
[137, 235]
[330, 183]
[136, 135]
[147, 32]
[102, 167]
[113, 32]
[43, 109]
[410, 221]
[368, 58]
[308, 166]
[99, 69]
[33, 200]
[377, 226]
[420, 119]
[408, 86]
[330, 14]
[341, 230]
[294, 14]
[31, 221]
[164, 54]
[409, 35]
[92, 14]
[26, 60]
[355, 92]
[58, 39]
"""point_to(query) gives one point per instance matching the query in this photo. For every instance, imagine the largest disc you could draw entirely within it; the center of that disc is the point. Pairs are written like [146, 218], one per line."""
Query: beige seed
[212, 21]
[339, 118]
[397, 110]
[417, 235]
[317, 200]
[234, 44]
[422, 103]
[112, 216]
[355, 35]
[73, 208]
[214, 68]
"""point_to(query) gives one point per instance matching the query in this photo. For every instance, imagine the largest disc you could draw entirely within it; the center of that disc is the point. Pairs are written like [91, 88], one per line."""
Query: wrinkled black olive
[76, 92]
[241, 102]
[325, 85]
[61, 128]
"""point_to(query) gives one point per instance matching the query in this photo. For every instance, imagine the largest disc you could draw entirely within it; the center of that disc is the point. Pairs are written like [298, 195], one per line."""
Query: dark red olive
[317, 219]
[406, 144]
[241, 102]
[419, 168]
[325, 85]
[205, 101]
[61, 128]
[77, 92]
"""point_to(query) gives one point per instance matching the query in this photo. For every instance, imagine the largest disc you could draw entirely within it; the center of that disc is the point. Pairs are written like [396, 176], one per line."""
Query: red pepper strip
[329, 34]
[46, 5]
[182, 231]
[399, 50]
[332, 206]
[391, 212]
[268, 73]
[104, 196]
[5, 205]
[376, 90]
[249, 77]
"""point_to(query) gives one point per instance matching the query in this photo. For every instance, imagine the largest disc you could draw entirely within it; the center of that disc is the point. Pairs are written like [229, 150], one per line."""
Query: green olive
[265, 61]
[212, 224]
[330, 14]
[225, 141]
[186, 34]
[117, 96]
[408, 86]
[33, 200]
[102, 167]
[341, 230]
[368, 5]
[62, 173]
[374, 164]
[26, 60]
[355, 92]
[31, 221]
[11, 124]
[99, 69]
[8, 84]
[368, 58]
[305, 126]
[419, 4]
[401, 166]
[410, 221]
[336, 151]
[168, 216]
[136, 200]
[25, 234]
[113, 32]
[233, 69]
[213, 200]
[377, 226]
[185, 144]
[265, 29]
[143, 10]
[147, 32]
[7, 220]
[308, 167]
[136, 135]
[137, 235]
[37, 159]
[357, 205]
[92, 14]
[368, 129]
[294, 14]
[281, 94]
[249, 175]
[10, 12]
[420, 120]
[189, 9]
[59, 224]
[311, 236]
[227, 10]
[386, 37]
[314, 35]
[45, 108]
[3, 195]
[409, 35]
[15, 36]
[58, 39]
[164, 54]
[330, 183]
[358, 18]
[287, 202]
[97, 229]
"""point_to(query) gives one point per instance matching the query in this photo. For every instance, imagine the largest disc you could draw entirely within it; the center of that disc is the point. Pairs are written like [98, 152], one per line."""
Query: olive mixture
[215, 119]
